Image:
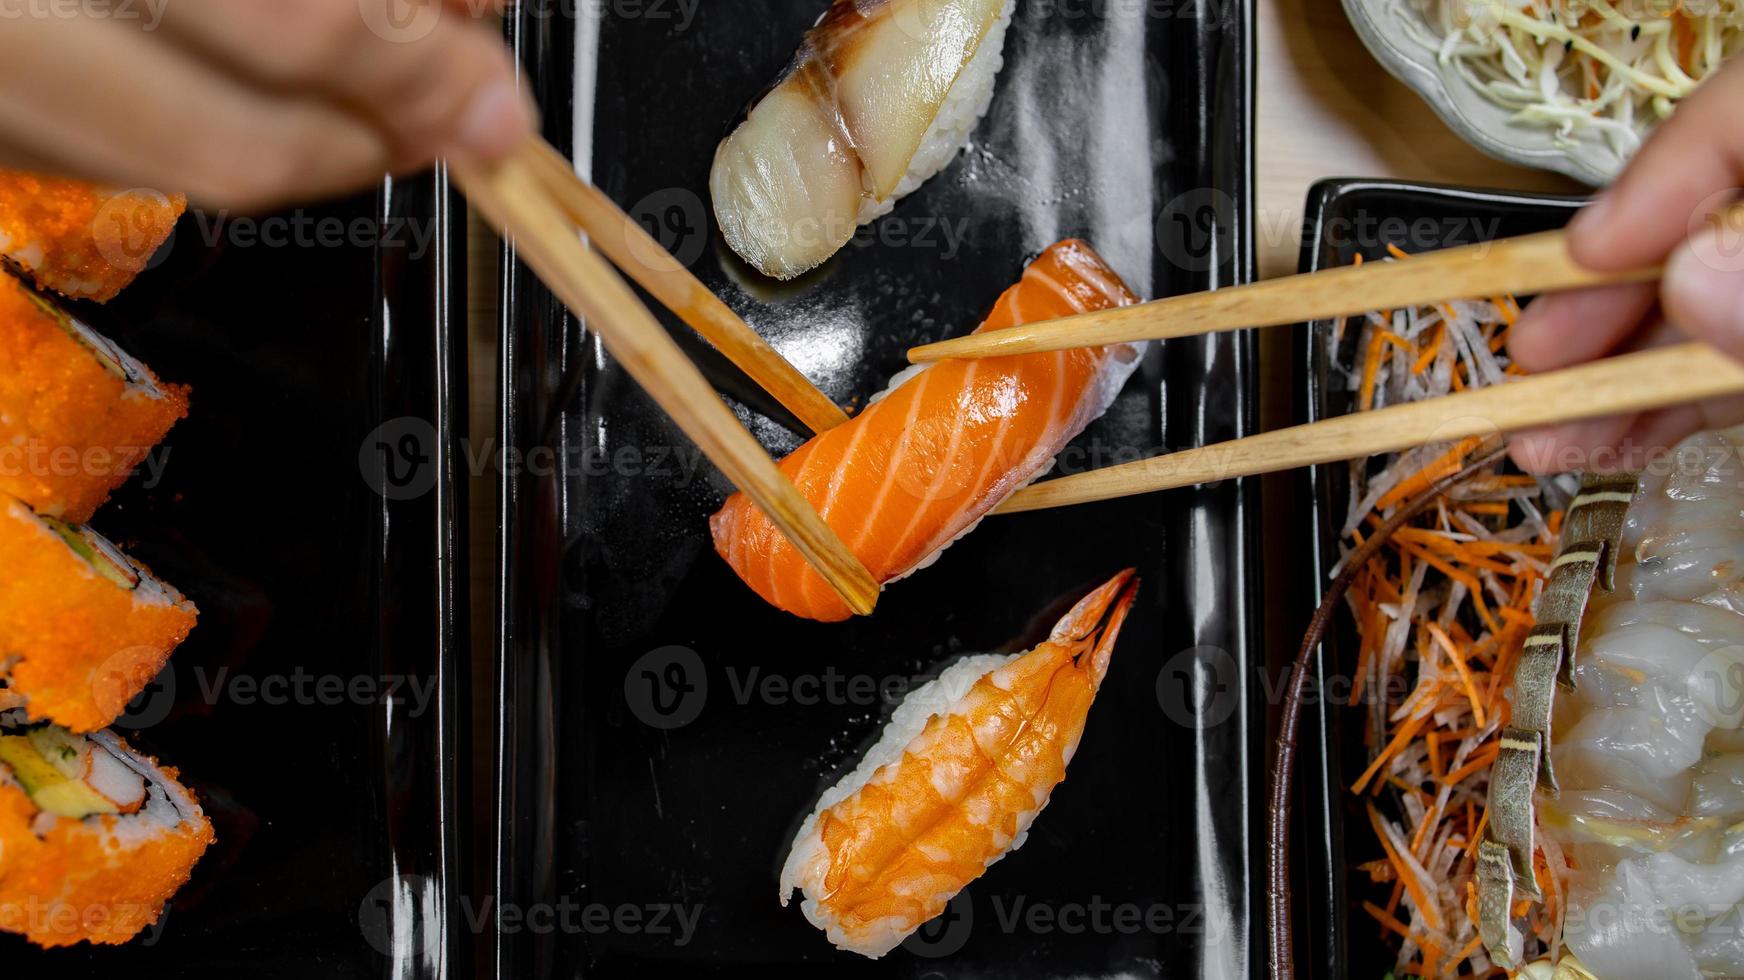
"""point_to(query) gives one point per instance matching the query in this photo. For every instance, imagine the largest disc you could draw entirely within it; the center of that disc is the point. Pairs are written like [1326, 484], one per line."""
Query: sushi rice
[95, 837]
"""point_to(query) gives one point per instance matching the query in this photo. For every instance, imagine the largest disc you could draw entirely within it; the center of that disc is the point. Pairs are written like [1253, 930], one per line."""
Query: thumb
[1703, 289]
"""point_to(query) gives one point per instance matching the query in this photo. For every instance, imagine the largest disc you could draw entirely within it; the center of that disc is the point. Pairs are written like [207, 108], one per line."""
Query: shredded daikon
[1583, 68]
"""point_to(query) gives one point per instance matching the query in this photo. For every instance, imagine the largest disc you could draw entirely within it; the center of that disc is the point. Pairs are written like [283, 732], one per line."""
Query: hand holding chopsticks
[1528, 264]
[517, 196]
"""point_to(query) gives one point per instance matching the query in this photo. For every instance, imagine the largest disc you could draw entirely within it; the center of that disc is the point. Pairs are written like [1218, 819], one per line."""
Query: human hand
[250, 103]
[1666, 207]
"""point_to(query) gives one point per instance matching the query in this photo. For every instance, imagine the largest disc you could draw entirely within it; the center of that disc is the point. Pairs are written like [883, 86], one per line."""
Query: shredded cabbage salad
[1581, 68]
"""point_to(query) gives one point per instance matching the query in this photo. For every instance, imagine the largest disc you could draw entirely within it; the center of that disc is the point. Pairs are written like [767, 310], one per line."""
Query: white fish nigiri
[880, 97]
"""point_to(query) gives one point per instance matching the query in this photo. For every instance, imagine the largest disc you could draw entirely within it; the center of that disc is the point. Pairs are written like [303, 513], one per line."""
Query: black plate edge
[532, 332]
[421, 373]
[1321, 908]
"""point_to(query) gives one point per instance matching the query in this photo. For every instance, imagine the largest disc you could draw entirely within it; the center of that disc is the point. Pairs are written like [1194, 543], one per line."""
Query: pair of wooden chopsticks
[535, 198]
[1529, 264]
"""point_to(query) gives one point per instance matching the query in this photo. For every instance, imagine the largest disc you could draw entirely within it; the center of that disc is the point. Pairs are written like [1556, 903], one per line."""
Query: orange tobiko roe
[80, 647]
[71, 431]
[79, 883]
[79, 239]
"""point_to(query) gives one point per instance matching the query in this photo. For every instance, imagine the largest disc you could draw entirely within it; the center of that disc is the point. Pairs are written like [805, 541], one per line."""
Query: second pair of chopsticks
[535, 198]
[1530, 264]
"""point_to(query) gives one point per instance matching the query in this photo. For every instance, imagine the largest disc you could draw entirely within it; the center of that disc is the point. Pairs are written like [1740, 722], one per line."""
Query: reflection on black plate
[267, 516]
[1347, 218]
[664, 731]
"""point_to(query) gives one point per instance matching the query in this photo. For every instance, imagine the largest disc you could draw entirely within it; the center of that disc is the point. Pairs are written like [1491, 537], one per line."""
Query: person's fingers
[1566, 447]
[1560, 329]
[1609, 443]
[178, 125]
[1680, 175]
[1703, 289]
[436, 80]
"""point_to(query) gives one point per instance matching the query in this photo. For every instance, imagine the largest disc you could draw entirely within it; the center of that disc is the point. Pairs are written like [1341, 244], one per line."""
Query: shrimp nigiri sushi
[954, 782]
[929, 458]
[880, 97]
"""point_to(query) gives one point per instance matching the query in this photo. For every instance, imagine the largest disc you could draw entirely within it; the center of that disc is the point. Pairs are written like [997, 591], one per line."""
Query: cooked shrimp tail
[1094, 623]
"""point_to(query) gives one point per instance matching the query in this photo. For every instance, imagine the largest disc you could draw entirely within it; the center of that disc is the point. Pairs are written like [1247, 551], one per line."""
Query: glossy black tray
[643, 766]
[313, 506]
[1345, 218]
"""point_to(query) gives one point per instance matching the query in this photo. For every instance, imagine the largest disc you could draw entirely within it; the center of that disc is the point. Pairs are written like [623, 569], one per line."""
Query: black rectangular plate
[1345, 218]
[308, 351]
[1126, 125]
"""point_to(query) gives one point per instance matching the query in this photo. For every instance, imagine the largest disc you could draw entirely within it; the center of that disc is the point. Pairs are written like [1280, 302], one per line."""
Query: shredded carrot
[1419, 893]
[1400, 740]
[1478, 834]
[1465, 677]
[1683, 28]
[1430, 350]
[1371, 366]
[1441, 467]
[1468, 949]
[1469, 612]
[1480, 759]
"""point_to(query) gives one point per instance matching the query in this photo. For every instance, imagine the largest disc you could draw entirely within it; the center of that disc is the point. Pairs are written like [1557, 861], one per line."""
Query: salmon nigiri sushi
[946, 444]
[964, 767]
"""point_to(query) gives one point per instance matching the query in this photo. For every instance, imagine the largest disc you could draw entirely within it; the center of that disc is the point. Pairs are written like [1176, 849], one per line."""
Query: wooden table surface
[1325, 108]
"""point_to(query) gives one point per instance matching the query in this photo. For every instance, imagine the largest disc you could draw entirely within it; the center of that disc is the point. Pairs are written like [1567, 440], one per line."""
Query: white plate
[1394, 31]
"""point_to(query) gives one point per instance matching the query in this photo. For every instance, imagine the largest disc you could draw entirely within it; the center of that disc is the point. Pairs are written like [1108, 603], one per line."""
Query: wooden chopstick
[514, 197]
[1520, 266]
[634, 251]
[1626, 383]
